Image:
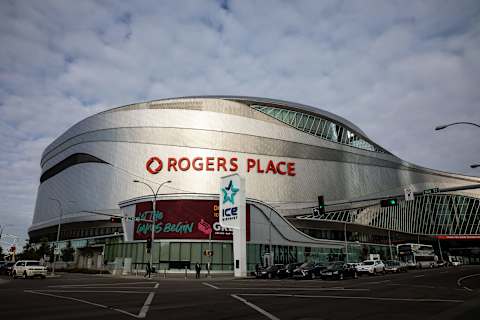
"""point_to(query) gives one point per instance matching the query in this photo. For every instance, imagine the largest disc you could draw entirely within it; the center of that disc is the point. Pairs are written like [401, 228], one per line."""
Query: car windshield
[368, 263]
[391, 263]
[334, 266]
[307, 265]
[33, 263]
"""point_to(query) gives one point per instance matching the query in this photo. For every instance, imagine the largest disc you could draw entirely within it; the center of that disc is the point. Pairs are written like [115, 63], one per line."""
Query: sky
[396, 69]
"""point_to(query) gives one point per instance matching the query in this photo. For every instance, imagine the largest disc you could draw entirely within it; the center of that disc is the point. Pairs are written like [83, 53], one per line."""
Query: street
[451, 293]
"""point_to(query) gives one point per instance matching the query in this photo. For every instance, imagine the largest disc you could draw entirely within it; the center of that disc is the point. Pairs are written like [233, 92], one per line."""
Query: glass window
[319, 127]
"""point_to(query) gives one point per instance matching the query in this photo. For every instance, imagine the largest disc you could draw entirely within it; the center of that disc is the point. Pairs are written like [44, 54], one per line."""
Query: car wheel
[42, 277]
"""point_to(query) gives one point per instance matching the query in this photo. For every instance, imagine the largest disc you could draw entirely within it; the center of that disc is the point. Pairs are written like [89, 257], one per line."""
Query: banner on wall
[183, 219]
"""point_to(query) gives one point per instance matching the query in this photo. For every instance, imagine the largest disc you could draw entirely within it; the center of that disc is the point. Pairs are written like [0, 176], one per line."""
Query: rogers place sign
[219, 164]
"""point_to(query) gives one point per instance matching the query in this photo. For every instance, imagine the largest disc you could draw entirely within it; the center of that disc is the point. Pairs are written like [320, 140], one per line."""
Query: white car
[371, 267]
[29, 268]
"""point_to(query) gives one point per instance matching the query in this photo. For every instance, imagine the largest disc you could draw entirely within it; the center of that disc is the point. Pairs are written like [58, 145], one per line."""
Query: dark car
[338, 270]
[308, 270]
[395, 266]
[287, 271]
[6, 269]
[269, 272]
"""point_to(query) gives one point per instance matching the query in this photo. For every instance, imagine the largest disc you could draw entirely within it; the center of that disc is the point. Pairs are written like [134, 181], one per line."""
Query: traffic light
[388, 202]
[115, 220]
[321, 205]
[149, 245]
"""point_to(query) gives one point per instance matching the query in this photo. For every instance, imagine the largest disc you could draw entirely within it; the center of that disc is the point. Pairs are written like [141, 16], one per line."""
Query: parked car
[6, 269]
[395, 266]
[371, 267]
[287, 270]
[29, 268]
[269, 272]
[338, 270]
[308, 270]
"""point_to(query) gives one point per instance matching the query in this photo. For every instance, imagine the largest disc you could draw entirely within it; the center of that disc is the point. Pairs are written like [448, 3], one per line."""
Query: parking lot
[446, 293]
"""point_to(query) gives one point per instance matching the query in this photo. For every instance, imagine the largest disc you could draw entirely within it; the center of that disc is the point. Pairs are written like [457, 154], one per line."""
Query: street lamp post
[58, 233]
[154, 206]
[455, 123]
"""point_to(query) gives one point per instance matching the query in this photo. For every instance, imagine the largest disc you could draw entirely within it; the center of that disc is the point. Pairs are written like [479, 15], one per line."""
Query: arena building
[288, 153]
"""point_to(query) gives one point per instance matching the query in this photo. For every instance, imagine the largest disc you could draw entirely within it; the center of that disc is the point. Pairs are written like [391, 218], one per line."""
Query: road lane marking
[98, 287]
[459, 281]
[255, 307]
[210, 285]
[103, 284]
[143, 311]
[156, 286]
[146, 305]
[420, 275]
[296, 289]
[99, 291]
[351, 297]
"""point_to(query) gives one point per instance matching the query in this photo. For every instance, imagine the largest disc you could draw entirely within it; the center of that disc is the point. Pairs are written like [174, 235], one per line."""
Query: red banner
[183, 219]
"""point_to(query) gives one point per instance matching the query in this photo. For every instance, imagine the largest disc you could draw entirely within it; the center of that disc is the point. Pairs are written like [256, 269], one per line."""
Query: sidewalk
[172, 276]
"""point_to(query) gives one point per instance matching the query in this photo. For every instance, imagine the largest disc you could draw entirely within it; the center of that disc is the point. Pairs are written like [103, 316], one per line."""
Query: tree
[29, 252]
[68, 252]
[45, 249]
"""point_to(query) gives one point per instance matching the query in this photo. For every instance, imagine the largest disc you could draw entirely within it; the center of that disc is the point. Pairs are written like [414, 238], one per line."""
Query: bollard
[185, 272]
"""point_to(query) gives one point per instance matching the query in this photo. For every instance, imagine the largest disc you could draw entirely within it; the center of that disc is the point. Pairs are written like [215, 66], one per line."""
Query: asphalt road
[452, 293]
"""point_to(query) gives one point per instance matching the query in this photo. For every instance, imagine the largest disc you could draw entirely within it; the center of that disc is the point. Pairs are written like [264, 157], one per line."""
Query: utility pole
[58, 233]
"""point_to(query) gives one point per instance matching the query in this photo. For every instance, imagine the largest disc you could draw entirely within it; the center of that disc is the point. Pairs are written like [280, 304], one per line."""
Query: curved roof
[267, 101]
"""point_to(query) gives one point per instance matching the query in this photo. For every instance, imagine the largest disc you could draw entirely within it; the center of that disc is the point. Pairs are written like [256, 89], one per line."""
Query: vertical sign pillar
[233, 215]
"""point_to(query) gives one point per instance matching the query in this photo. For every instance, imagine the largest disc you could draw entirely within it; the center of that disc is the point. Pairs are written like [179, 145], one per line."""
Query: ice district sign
[233, 215]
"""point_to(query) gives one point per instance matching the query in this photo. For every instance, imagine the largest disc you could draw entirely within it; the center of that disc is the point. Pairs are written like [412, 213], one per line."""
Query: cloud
[396, 69]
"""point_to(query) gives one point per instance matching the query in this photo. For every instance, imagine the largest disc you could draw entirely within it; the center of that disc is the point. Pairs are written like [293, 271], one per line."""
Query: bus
[416, 255]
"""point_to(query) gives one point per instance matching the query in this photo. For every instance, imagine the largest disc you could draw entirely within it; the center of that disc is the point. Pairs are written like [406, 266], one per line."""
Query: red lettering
[210, 164]
[221, 162]
[172, 164]
[184, 164]
[271, 167]
[279, 170]
[158, 167]
[291, 169]
[250, 164]
[197, 166]
[233, 164]
[259, 167]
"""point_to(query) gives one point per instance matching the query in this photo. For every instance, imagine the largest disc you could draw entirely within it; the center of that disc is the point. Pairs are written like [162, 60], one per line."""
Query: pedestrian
[207, 267]
[148, 270]
[198, 268]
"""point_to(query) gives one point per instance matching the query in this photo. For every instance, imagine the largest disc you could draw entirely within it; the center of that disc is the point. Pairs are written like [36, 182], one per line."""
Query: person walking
[149, 270]
[198, 268]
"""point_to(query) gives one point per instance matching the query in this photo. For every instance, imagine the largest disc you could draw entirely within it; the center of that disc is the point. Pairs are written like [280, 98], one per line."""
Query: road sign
[408, 194]
[430, 191]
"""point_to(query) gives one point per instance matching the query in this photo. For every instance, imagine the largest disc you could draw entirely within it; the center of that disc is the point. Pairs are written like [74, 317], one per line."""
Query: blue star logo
[229, 193]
